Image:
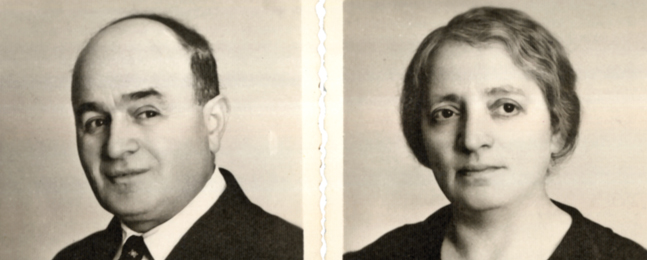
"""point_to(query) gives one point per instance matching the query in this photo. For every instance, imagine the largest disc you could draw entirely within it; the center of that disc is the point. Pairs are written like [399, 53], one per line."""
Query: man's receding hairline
[201, 59]
[159, 24]
[174, 26]
[98, 36]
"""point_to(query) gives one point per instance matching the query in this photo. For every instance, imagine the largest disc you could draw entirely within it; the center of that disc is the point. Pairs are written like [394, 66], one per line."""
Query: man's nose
[121, 139]
[475, 133]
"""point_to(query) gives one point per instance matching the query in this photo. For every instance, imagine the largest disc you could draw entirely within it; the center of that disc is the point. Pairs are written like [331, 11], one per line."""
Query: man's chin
[128, 210]
[139, 221]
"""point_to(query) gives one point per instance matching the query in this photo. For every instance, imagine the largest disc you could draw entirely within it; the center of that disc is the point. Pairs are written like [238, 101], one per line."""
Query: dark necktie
[135, 249]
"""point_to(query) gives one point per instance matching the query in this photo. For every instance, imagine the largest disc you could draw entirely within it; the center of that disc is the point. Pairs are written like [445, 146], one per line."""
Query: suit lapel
[213, 235]
[106, 247]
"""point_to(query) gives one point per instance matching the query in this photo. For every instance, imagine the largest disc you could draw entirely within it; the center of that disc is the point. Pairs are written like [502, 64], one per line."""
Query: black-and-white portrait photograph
[466, 129]
[495, 129]
[151, 130]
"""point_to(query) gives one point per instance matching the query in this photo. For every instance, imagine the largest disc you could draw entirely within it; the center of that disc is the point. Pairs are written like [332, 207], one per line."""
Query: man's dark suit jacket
[234, 228]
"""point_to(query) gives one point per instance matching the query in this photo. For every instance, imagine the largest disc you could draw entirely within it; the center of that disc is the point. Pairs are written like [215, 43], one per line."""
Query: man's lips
[477, 168]
[124, 173]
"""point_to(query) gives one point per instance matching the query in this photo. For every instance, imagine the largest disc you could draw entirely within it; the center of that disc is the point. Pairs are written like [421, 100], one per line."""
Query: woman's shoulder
[586, 239]
[420, 240]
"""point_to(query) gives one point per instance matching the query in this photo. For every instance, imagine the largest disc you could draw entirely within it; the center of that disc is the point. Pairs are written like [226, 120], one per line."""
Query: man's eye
[94, 125]
[444, 114]
[509, 108]
[147, 114]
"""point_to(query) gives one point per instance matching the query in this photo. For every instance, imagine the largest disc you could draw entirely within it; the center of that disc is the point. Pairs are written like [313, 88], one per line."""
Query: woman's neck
[527, 229]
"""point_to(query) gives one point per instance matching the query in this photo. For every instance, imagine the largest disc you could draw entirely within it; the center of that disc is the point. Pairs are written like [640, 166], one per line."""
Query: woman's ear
[216, 114]
[556, 142]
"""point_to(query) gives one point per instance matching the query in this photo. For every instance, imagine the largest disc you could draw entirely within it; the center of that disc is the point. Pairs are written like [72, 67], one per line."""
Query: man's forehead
[131, 37]
[136, 31]
[130, 56]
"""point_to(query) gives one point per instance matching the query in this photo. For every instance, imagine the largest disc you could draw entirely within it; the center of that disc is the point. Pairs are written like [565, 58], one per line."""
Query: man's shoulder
[246, 218]
[236, 228]
[99, 245]
[271, 234]
[255, 234]
[81, 249]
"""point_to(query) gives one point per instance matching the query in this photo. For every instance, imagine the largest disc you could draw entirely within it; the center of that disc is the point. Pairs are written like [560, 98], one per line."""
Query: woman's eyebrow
[504, 90]
[442, 98]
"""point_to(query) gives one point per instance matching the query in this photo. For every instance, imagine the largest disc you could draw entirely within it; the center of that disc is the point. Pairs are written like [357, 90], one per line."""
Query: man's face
[141, 135]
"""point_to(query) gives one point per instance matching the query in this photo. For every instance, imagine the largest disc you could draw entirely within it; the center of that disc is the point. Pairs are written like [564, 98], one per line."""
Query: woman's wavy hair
[532, 48]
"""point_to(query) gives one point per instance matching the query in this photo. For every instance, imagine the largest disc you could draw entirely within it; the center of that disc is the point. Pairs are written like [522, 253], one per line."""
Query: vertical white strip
[334, 125]
[323, 76]
[311, 136]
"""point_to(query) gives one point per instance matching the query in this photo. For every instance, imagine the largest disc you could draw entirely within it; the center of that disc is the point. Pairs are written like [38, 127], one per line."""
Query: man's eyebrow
[504, 90]
[86, 107]
[134, 96]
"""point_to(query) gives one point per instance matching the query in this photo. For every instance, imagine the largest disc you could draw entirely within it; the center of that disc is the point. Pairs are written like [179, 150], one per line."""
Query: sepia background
[45, 199]
[606, 178]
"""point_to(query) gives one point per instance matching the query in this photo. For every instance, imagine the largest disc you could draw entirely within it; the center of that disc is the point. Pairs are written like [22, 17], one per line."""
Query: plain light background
[45, 199]
[606, 179]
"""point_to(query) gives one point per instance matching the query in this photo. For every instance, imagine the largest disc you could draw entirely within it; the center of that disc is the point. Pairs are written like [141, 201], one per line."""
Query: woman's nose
[475, 133]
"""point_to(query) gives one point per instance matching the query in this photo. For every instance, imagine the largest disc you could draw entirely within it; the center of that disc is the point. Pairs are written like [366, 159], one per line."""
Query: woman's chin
[479, 202]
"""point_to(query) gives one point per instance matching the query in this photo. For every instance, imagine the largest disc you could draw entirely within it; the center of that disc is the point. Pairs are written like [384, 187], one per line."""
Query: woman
[489, 105]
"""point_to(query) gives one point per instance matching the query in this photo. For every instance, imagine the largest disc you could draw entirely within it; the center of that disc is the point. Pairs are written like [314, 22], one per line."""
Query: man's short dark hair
[532, 49]
[203, 64]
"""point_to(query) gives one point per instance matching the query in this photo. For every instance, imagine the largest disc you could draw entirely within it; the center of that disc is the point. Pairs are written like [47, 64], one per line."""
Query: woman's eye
[507, 109]
[446, 113]
[443, 115]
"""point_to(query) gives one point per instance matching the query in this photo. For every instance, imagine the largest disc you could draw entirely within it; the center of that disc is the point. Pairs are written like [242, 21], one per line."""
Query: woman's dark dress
[585, 239]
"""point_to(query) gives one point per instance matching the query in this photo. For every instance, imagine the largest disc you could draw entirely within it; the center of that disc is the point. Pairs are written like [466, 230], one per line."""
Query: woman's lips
[476, 169]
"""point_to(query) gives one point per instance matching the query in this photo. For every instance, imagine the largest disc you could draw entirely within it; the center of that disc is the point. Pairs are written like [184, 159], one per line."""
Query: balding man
[149, 119]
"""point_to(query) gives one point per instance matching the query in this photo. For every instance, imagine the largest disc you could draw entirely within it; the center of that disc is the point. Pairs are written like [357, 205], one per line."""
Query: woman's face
[487, 129]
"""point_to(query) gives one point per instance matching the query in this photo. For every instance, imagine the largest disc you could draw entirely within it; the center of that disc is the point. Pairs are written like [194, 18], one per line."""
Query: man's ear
[216, 114]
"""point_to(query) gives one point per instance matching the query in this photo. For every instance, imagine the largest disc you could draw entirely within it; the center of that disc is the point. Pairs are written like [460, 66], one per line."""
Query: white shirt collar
[163, 238]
